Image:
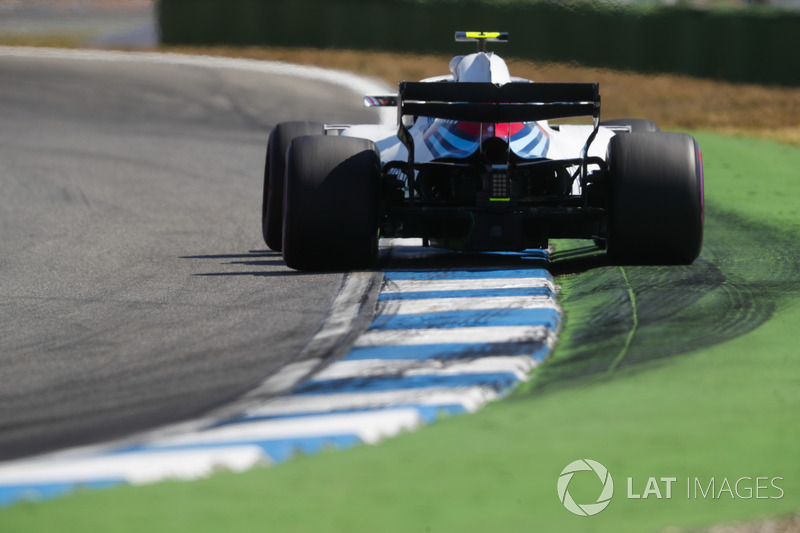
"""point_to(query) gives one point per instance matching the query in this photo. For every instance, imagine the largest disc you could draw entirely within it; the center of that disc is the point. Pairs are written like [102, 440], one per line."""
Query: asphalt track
[135, 289]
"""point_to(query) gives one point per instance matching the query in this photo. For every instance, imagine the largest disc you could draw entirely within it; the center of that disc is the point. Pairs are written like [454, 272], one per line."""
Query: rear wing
[487, 102]
[490, 103]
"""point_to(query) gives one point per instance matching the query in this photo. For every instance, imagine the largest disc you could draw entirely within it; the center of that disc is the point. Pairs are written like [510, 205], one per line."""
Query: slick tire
[274, 168]
[656, 198]
[331, 209]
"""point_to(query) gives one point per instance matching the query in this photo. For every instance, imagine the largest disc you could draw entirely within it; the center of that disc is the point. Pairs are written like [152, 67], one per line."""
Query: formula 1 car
[476, 163]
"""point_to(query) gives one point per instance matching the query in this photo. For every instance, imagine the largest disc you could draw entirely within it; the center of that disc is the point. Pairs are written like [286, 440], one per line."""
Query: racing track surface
[135, 289]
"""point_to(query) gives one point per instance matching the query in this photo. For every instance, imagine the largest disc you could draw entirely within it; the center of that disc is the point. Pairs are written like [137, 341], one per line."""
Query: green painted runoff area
[691, 373]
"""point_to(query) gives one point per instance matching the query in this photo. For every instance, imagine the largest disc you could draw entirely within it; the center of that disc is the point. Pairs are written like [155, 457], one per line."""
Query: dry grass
[674, 102]
[53, 40]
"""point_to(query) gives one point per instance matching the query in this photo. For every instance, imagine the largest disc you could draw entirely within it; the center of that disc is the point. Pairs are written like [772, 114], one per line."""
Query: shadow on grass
[575, 260]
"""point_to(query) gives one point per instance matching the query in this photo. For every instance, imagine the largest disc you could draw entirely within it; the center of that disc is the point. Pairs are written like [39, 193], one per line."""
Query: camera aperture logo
[579, 476]
[585, 509]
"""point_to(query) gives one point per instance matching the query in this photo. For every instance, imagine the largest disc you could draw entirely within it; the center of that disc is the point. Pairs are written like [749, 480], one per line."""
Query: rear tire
[331, 203]
[656, 198]
[637, 125]
[274, 168]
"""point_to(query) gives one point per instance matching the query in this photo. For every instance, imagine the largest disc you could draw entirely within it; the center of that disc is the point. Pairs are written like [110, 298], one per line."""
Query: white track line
[434, 305]
[450, 285]
[519, 365]
[133, 468]
[476, 335]
[470, 398]
[370, 427]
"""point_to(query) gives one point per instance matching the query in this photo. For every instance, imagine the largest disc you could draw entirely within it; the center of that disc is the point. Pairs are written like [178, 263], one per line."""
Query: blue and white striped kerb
[442, 342]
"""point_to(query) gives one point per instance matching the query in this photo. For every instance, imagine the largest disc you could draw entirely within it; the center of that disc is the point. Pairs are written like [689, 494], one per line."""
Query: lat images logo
[585, 509]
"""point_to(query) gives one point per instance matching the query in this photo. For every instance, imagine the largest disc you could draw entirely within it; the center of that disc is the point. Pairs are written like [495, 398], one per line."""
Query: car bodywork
[481, 161]
[480, 166]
